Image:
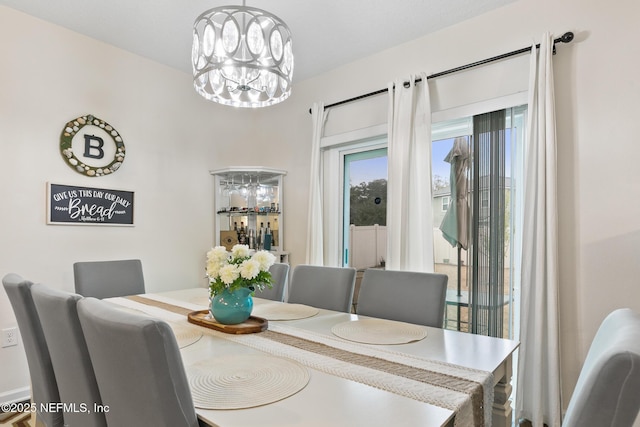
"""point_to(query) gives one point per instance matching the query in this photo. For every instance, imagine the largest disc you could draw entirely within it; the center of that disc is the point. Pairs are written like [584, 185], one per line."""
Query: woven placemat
[185, 335]
[129, 309]
[379, 331]
[244, 381]
[283, 311]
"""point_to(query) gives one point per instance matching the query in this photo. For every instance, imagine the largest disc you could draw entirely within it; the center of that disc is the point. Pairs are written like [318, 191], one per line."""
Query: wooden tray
[252, 325]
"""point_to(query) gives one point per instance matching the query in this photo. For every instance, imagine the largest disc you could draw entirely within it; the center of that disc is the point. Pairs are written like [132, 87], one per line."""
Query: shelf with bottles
[248, 198]
[247, 212]
[263, 236]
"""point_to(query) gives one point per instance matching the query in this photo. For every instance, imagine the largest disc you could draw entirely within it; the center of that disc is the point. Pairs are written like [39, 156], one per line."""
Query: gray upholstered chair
[405, 296]
[138, 367]
[279, 274]
[330, 288]
[105, 279]
[608, 389]
[44, 388]
[69, 355]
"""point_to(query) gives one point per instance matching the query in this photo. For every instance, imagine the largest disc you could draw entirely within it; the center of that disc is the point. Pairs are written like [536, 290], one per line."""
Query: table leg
[502, 414]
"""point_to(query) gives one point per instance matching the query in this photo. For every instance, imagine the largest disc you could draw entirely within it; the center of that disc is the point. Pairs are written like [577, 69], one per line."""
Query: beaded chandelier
[242, 57]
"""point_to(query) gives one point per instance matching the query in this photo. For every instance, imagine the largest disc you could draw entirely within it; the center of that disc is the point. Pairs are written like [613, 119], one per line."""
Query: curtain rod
[565, 38]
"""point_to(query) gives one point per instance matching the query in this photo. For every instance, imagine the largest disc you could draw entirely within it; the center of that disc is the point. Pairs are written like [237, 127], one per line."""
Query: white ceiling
[326, 33]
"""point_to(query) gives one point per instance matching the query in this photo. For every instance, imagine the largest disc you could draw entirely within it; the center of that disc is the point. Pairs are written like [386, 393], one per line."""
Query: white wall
[173, 139]
[597, 94]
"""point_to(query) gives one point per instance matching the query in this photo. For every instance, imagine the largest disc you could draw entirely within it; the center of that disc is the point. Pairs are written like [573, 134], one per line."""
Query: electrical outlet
[9, 337]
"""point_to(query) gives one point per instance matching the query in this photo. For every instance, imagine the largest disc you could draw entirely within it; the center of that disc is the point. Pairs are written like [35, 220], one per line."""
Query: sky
[376, 168]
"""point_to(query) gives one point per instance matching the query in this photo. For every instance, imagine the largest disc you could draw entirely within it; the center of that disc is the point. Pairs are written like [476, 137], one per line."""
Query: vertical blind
[488, 224]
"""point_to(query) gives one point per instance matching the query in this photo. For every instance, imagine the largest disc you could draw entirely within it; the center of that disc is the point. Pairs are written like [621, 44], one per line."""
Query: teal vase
[232, 307]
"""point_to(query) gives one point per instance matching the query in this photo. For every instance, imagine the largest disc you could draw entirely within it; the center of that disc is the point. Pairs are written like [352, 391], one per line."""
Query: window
[489, 259]
[484, 199]
[482, 274]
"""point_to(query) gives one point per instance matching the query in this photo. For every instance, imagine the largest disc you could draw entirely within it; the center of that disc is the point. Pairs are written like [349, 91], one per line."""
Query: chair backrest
[608, 389]
[405, 296]
[279, 275]
[138, 367]
[330, 288]
[105, 279]
[69, 355]
[44, 388]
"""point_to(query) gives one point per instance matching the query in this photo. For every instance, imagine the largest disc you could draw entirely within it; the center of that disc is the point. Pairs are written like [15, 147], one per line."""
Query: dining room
[174, 138]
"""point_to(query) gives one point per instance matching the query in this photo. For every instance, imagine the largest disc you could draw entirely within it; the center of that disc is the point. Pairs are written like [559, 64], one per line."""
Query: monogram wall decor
[91, 146]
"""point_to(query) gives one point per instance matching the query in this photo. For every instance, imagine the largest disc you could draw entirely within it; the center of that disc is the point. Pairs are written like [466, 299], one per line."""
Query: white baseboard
[16, 395]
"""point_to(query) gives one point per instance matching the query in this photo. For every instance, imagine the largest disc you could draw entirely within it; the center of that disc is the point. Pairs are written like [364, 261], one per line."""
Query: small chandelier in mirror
[242, 57]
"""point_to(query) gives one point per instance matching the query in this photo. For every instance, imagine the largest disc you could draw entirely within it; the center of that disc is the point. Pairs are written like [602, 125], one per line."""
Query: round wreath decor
[66, 149]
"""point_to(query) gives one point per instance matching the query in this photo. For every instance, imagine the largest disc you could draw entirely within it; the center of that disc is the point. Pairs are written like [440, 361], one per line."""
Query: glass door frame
[334, 150]
[348, 156]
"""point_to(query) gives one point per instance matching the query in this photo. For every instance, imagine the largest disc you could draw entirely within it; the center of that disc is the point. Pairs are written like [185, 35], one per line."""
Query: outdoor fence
[368, 247]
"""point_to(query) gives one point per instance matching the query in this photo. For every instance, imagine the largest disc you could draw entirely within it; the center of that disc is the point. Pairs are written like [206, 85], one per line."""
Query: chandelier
[242, 57]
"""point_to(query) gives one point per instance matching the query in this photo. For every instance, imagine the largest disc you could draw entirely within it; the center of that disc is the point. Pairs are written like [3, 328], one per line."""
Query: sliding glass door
[364, 215]
[483, 293]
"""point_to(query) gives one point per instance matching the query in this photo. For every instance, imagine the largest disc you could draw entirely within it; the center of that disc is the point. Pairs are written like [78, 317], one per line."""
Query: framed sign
[91, 146]
[67, 204]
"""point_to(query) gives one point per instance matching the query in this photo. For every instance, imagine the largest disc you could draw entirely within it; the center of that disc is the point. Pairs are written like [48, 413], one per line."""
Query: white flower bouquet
[238, 269]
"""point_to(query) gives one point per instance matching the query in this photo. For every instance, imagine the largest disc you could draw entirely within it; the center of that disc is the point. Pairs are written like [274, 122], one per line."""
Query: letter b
[94, 150]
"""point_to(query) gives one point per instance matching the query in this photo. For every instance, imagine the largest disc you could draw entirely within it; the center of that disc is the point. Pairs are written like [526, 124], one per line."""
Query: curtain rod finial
[567, 37]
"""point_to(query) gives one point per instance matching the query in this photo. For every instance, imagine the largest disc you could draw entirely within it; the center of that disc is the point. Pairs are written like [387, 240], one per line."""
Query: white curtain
[538, 389]
[315, 245]
[409, 217]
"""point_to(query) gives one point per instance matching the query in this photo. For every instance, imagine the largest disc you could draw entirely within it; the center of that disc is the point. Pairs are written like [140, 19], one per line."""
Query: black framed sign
[68, 204]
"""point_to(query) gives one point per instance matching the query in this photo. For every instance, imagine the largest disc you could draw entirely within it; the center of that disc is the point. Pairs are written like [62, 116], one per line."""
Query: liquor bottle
[261, 236]
[242, 238]
[267, 238]
[252, 239]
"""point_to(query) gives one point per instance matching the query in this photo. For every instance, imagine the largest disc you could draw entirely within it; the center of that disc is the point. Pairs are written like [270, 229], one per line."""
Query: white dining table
[328, 399]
